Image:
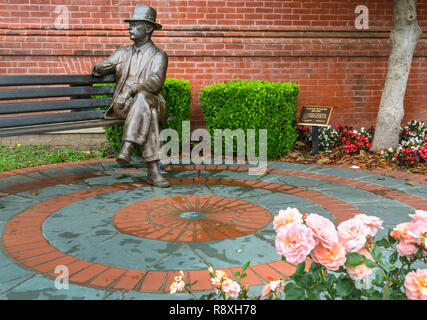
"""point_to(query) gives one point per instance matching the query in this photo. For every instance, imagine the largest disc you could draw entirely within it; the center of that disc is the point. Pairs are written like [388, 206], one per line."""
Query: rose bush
[345, 262]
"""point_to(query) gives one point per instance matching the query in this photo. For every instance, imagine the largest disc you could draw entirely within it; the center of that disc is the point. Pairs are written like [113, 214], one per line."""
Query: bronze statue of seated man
[140, 71]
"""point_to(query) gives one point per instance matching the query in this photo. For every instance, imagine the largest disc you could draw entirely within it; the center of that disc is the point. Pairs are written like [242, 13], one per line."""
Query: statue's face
[139, 29]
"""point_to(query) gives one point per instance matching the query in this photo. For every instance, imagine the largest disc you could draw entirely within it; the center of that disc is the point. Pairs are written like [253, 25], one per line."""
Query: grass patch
[18, 157]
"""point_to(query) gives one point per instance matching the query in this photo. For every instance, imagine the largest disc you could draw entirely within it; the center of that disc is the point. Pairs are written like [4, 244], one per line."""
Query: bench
[70, 103]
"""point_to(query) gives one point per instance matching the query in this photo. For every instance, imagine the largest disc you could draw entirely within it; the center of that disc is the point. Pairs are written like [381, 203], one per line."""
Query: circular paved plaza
[123, 239]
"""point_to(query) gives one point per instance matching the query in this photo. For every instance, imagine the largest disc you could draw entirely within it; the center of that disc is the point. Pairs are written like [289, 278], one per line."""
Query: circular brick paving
[25, 242]
[189, 218]
[184, 218]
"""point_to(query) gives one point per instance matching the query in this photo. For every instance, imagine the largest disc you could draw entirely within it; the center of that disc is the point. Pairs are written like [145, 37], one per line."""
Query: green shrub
[177, 94]
[254, 105]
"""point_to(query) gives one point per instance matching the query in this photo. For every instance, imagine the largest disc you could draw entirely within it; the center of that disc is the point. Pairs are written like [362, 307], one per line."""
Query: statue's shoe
[123, 159]
[158, 181]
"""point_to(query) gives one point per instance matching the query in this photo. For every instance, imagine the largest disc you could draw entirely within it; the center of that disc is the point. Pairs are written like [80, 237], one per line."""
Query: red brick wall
[313, 43]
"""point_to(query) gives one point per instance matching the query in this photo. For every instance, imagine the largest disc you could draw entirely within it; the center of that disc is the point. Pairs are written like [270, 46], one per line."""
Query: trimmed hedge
[254, 105]
[177, 94]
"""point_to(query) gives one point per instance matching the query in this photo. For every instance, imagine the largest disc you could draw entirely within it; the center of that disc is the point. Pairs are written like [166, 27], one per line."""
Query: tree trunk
[403, 38]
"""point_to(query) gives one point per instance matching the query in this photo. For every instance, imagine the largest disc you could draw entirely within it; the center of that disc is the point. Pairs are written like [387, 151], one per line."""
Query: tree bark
[403, 38]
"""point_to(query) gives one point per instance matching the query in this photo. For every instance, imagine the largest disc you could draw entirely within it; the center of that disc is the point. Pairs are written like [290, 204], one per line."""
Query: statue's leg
[142, 127]
[136, 126]
[151, 152]
[123, 159]
[138, 119]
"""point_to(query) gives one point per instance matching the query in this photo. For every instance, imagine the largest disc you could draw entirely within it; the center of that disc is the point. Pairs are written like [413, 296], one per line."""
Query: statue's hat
[144, 13]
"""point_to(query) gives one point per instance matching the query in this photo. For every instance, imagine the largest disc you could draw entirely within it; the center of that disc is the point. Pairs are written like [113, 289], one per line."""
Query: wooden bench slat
[20, 131]
[22, 107]
[80, 86]
[35, 93]
[32, 80]
[30, 120]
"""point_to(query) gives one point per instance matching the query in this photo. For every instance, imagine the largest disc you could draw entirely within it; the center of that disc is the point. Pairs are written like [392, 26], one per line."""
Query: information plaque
[315, 116]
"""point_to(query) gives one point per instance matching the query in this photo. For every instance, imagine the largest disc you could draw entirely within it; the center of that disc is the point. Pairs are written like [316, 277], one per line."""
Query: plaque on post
[315, 116]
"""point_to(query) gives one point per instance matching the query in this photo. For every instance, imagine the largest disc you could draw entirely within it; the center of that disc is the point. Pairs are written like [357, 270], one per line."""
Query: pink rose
[406, 247]
[352, 234]
[273, 288]
[419, 215]
[416, 285]
[294, 242]
[331, 258]
[361, 271]
[230, 288]
[217, 278]
[373, 223]
[323, 230]
[409, 234]
[400, 231]
[179, 284]
[290, 215]
[418, 231]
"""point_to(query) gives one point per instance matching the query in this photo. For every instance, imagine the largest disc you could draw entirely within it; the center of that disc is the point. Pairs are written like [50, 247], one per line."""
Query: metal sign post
[315, 140]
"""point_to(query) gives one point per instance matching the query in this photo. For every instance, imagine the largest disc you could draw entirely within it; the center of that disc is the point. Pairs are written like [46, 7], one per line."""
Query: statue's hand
[121, 99]
[133, 90]
[103, 67]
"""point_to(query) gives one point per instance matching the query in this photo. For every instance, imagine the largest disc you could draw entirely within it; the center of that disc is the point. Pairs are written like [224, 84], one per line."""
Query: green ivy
[254, 105]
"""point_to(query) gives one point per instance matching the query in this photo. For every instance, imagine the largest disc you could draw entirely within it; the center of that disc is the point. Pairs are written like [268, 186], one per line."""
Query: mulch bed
[366, 160]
